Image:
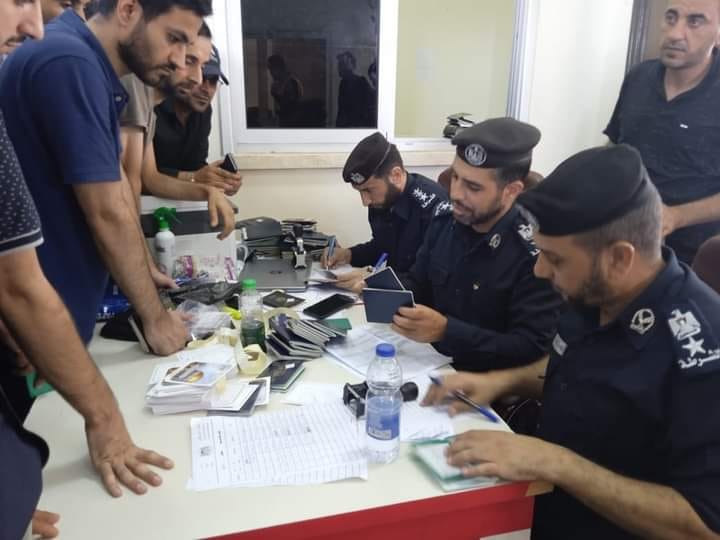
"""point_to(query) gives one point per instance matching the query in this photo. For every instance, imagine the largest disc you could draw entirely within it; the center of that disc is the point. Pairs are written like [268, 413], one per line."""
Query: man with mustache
[183, 129]
[669, 109]
[477, 298]
[35, 326]
[629, 429]
[400, 208]
[61, 98]
[137, 129]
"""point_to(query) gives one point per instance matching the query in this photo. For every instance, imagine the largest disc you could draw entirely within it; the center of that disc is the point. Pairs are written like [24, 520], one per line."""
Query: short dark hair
[511, 173]
[155, 8]
[393, 159]
[641, 227]
[205, 31]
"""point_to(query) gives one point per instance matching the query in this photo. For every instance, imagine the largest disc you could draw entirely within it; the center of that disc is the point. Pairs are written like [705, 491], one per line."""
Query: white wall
[453, 56]
[579, 66]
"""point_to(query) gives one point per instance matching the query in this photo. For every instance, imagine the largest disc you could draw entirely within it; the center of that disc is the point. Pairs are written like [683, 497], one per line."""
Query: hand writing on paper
[482, 388]
[420, 323]
[119, 461]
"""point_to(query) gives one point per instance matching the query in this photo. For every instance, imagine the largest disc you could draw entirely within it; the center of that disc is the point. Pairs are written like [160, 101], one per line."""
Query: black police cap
[366, 158]
[497, 142]
[589, 190]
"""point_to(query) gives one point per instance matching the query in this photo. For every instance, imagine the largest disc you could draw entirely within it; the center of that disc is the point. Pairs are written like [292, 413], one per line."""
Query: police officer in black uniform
[630, 423]
[478, 299]
[401, 206]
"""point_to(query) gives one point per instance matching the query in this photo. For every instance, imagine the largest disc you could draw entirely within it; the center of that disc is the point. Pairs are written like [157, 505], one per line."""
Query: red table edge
[343, 524]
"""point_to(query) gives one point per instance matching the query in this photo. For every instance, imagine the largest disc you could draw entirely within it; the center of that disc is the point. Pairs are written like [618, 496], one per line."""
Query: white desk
[73, 489]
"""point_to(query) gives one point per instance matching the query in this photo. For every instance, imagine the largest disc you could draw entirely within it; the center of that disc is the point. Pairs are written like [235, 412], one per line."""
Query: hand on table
[420, 323]
[168, 333]
[505, 455]
[44, 524]
[119, 461]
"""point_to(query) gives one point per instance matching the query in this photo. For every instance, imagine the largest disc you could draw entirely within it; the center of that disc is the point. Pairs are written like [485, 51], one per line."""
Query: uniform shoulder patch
[526, 231]
[696, 348]
[423, 198]
[445, 208]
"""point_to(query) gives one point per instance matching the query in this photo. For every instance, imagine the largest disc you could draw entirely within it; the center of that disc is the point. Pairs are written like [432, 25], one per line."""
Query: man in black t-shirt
[669, 109]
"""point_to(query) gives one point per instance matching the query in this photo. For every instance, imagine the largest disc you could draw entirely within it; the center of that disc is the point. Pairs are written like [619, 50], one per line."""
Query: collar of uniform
[70, 21]
[646, 304]
[402, 207]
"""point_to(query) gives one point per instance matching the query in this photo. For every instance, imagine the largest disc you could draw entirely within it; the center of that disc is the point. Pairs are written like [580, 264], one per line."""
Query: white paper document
[358, 349]
[313, 444]
[306, 393]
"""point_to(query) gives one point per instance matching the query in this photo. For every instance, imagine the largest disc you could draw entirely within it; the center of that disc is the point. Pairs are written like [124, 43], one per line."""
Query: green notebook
[431, 454]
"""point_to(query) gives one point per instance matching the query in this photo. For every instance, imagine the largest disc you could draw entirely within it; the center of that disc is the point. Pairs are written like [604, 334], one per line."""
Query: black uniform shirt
[499, 314]
[639, 397]
[181, 147]
[400, 231]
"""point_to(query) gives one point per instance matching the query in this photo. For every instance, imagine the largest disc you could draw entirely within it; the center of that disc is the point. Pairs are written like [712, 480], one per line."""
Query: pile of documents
[199, 379]
[295, 339]
[358, 349]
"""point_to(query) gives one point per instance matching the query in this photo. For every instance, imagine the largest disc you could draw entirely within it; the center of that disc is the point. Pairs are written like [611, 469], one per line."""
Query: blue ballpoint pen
[331, 248]
[457, 394]
[380, 262]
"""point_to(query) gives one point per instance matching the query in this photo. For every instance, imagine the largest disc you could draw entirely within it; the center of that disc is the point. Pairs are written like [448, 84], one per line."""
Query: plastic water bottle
[382, 405]
[252, 325]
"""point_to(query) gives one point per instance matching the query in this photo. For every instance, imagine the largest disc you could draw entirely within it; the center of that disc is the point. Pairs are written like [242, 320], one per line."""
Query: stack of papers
[358, 349]
[431, 454]
[416, 423]
[304, 445]
[197, 380]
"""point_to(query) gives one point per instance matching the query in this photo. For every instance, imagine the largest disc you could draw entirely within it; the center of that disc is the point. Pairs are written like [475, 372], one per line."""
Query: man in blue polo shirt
[669, 109]
[62, 97]
[41, 326]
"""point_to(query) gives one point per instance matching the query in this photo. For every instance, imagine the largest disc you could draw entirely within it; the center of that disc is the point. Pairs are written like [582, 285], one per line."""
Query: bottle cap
[385, 350]
[249, 284]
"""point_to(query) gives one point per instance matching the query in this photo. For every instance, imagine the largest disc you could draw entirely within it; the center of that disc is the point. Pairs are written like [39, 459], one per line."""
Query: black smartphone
[229, 164]
[332, 304]
[279, 299]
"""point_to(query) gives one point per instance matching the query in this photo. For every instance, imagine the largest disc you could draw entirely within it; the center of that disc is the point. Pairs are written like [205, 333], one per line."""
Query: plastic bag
[204, 320]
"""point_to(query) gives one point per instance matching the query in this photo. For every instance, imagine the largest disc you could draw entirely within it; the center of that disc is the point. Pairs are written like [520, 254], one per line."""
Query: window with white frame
[334, 71]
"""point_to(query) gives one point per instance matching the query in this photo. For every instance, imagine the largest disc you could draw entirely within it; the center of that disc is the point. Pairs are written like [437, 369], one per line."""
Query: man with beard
[181, 140]
[477, 298]
[62, 97]
[669, 110]
[137, 129]
[400, 208]
[629, 428]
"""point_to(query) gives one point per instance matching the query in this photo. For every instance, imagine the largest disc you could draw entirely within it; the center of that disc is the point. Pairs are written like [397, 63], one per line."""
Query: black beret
[497, 142]
[366, 158]
[589, 190]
